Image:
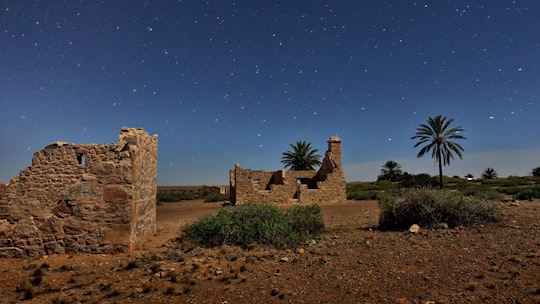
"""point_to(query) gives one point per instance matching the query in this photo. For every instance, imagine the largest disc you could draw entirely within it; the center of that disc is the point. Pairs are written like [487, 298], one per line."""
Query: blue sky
[223, 82]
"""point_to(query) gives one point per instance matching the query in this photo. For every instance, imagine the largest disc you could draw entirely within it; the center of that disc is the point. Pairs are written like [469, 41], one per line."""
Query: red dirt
[352, 262]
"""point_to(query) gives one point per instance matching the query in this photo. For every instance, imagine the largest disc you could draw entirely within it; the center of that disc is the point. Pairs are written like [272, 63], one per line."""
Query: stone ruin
[82, 198]
[327, 185]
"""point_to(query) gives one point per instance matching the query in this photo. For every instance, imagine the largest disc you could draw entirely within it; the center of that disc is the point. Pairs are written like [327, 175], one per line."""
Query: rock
[414, 229]
[52, 226]
[284, 259]
[441, 226]
[25, 228]
[11, 252]
[5, 228]
[115, 194]
[300, 250]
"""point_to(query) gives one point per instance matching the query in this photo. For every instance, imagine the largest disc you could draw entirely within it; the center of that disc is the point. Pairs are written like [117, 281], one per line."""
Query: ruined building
[324, 186]
[82, 198]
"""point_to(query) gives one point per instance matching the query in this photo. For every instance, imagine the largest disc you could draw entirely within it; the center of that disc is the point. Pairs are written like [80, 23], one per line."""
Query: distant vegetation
[209, 194]
[256, 224]
[412, 199]
[522, 188]
[489, 173]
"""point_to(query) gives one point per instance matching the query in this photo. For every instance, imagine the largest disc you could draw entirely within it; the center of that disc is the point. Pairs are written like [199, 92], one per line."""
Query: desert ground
[351, 262]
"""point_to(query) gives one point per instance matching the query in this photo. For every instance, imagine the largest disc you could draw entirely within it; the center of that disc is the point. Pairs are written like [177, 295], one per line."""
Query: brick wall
[82, 198]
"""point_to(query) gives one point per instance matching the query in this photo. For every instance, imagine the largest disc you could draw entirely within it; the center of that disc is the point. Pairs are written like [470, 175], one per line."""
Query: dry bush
[429, 207]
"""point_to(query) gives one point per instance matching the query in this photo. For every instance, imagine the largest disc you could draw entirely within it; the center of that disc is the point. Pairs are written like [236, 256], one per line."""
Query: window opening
[81, 159]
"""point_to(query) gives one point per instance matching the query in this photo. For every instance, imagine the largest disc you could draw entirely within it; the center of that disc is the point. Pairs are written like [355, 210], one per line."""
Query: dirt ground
[352, 262]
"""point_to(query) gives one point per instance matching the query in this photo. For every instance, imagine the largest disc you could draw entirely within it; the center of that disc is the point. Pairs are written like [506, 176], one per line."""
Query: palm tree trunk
[440, 169]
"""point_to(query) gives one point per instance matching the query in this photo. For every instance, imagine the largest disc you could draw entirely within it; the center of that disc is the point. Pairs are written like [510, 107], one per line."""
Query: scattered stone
[300, 250]
[284, 259]
[219, 272]
[414, 229]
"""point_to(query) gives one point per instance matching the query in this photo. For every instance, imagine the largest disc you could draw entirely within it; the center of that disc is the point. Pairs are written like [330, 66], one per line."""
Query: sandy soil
[352, 262]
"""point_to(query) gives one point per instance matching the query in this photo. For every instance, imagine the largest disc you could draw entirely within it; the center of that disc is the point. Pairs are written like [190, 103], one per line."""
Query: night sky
[223, 82]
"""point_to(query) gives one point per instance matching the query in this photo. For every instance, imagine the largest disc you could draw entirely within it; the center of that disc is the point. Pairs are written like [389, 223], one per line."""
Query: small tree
[302, 157]
[489, 173]
[536, 171]
[391, 171]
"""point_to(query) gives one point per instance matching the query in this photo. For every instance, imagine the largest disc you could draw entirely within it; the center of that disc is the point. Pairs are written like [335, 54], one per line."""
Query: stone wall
[82, 198]
[324, 186]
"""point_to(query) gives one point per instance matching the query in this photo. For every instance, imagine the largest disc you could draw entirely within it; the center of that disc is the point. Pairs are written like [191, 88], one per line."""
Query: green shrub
[306, 220]
[513, 181]
[215, 197]
[480, 192]
[362, 195]
[427, 208]
[510, 190]
[488, 194]
[528, 193]
[250, 224]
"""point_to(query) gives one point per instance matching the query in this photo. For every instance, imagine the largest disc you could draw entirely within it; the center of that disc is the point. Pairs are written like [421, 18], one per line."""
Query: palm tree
[436, 134]
[489, 173]
[391, 171]
[302, 157]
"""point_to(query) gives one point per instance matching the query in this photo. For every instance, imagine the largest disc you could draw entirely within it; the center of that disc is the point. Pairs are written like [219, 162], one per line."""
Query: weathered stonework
[324, 186]
[82, 198]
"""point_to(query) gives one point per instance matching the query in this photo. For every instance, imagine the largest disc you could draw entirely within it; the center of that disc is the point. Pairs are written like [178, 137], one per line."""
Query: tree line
[437, 136]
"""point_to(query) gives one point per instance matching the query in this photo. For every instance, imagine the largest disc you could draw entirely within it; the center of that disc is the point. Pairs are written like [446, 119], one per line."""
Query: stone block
[54, 248]
[34, 251]
[35, 242]
[52, 226]
[116, 194]
[74, 226]
[25, 228]
[11, 252]
[5, 228]
[104, 168]
[19, 243]
[88, 190]
[6, 243]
